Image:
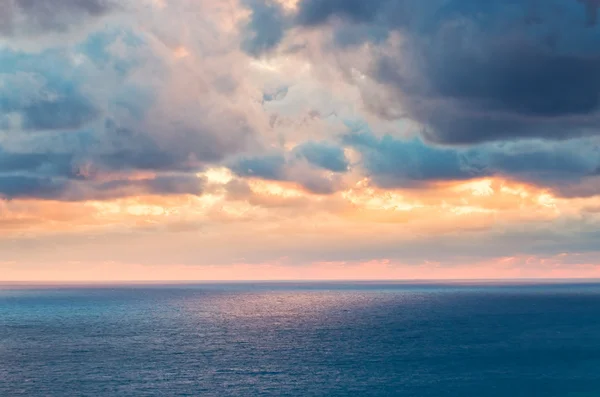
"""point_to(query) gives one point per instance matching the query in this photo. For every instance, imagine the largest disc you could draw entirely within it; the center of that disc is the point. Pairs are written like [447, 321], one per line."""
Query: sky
[299, 139]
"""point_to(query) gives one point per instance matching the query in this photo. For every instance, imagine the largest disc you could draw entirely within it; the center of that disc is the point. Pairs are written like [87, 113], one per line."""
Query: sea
[301, 339]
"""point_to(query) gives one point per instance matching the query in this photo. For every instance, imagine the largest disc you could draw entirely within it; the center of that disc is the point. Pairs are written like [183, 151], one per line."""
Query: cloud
[472, 71]
[265, 28]
[40, 163]
[30, 187]
[150, 118]
[398, 163]
[160, 185]
[55, 188]
[306, 164]
[270, 167]
[112, 104]
[465, 82]
[402, 163]
[510, 92]
[34, 17]
[277, 167]
[35, 92]
[317, 12]
[323, 155]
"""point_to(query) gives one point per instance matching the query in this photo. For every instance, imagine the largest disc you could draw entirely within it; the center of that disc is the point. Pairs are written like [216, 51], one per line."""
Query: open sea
[301, 339]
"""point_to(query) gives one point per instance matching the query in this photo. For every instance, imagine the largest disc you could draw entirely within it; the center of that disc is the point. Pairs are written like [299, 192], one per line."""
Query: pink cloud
[564, 266]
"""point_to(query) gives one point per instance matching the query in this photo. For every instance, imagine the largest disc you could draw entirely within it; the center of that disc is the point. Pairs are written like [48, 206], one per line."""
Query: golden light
[372, 199]
[285, 190]
[220, 175]
[181, 52]
[477, 188]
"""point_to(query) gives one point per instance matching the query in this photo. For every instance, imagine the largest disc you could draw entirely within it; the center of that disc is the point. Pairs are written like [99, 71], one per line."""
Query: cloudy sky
[299, 139]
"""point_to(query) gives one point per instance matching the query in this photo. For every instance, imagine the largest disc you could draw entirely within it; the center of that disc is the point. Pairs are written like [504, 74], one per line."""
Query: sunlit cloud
[210, 139]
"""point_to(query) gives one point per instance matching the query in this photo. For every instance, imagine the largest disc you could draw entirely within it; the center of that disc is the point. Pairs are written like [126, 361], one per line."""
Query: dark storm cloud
[512, 92]
[473, 71]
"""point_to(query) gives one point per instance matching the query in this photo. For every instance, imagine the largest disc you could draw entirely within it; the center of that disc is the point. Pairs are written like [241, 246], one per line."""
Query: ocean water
[301, 340]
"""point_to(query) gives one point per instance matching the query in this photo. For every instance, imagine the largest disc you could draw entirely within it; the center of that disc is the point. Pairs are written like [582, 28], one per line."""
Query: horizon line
[299, 281]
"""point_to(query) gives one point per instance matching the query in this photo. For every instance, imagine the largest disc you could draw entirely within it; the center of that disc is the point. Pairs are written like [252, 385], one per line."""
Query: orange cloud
[444, 207]
[274, 219]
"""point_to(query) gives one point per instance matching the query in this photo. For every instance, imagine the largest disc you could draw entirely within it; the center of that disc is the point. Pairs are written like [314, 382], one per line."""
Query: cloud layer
[472, 71]
[255, 132]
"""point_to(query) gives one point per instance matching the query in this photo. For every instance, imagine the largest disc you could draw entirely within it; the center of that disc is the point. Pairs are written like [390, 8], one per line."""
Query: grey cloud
[265, 28]
[49, 164]
[16, 186]
[64, 176]
[160, 185]
[317, 12]
[270, 167]
[56, 188]
[317, 184]
[474, 71]
[323, 155]
[185, 148]
[71, 112]
[569, 169]
[287, 167]
[238, 189]
[512, 93]
[396, 163]
[42, 96]
[34, 17]
[63, 136]
[275, 95]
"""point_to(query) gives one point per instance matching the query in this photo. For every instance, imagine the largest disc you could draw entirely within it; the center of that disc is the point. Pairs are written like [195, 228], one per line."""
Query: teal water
[301, 340]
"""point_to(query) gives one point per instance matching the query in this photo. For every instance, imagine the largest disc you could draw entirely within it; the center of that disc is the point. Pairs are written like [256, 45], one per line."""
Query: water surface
[291, 339]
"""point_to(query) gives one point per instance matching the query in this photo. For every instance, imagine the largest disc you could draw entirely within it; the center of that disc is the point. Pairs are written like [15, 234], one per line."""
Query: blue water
[301, 340]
